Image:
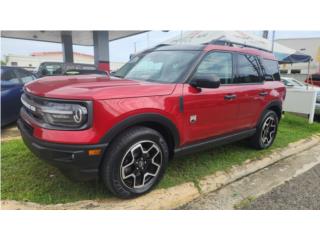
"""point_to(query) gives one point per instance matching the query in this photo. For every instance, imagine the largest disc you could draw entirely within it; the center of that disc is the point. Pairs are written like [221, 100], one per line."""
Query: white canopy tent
[283, 53]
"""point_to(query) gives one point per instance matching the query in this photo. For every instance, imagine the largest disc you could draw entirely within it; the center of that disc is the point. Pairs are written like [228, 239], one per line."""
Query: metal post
[101, 50]
[273, 35]
[66, 39]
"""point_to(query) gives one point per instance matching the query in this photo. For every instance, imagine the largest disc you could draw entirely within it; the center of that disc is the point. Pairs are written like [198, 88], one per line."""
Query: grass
[26, 178]
[244, 203]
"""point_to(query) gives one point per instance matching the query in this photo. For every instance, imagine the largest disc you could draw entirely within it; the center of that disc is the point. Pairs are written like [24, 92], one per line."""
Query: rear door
[252, 91]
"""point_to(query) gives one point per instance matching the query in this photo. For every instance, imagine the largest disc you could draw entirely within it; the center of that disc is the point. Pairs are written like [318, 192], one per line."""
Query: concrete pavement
[302, 192]
[292, 183]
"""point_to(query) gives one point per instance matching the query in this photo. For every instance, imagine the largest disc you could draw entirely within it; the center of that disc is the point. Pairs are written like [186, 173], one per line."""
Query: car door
[252, 91]
[211, 112]
[11, 89]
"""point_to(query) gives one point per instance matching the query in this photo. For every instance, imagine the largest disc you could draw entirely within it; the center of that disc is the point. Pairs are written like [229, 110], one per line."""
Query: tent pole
[309, 75]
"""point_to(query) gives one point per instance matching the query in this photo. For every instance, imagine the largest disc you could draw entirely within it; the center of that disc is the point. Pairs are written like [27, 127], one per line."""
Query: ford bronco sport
[169, 101]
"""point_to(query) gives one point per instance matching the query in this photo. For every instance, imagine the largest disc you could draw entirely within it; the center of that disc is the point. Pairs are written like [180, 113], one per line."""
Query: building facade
[33, 60]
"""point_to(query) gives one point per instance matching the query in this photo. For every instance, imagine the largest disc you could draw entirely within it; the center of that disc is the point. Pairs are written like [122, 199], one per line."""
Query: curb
[180, 195]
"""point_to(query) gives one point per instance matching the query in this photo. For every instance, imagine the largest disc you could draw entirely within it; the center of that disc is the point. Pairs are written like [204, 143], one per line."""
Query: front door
[211, 112]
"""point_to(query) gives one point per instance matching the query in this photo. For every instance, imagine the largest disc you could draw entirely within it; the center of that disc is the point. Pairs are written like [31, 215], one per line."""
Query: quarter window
[218, 64]
[271, 70]
[248, 70]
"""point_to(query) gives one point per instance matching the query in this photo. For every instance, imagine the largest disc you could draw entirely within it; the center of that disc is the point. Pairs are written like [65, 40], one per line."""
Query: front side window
[248, 70]
[162, 66]
[271, 69]
[217, 64]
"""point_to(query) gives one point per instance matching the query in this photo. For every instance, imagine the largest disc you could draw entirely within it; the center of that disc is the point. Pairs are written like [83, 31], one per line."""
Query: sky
[120, 50]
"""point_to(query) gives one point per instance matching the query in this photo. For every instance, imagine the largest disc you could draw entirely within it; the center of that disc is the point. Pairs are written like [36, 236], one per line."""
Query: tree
[4, 61]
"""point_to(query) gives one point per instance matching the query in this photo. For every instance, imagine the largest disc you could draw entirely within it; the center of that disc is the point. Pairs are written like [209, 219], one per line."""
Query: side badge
[193, 119]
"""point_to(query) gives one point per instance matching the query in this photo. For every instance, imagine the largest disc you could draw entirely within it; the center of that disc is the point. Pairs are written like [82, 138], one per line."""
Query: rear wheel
[135, 162]
[266, 131]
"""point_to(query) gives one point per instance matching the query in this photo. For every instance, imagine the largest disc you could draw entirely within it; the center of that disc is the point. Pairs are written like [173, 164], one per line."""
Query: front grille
[30, 104]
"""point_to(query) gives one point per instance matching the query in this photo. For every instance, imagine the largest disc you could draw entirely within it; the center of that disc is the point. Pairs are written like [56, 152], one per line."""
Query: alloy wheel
[141, 164]
[268, 130]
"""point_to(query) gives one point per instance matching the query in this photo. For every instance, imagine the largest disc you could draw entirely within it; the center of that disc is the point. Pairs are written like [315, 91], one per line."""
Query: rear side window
[271, 70]
[248, 69]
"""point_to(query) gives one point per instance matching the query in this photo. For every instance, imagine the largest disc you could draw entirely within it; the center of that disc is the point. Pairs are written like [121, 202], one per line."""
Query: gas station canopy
[83, 38]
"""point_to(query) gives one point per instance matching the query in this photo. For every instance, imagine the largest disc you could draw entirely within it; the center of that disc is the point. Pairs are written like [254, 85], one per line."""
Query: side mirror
[205, 81]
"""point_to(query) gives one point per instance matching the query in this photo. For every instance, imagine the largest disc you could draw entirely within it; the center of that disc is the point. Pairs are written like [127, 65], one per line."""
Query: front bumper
[73, 161]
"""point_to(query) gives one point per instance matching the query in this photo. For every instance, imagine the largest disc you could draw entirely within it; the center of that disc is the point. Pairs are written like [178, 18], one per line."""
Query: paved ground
[292, 183]
[302, 192]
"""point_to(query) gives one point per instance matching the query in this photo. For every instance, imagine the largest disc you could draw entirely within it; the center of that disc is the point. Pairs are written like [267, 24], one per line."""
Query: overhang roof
[83, 38]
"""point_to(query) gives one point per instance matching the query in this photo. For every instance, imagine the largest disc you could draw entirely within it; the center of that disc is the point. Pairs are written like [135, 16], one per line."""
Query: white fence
[301, 101]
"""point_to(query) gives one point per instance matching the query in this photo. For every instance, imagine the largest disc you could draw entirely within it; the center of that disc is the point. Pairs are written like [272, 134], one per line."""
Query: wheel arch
[275, 106]
[154, 121]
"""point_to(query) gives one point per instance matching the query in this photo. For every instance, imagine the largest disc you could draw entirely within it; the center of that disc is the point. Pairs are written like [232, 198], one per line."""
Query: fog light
[94, 152]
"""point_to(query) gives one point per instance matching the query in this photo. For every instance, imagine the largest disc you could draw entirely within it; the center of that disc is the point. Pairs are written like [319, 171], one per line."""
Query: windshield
[121, 72]
[162, 66]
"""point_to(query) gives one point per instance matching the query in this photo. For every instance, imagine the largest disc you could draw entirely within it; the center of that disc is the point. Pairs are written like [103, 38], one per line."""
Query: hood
[89, 87]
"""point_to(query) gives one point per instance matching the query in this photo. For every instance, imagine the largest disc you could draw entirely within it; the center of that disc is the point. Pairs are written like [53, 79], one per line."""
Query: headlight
[56, 114]
[64, 114]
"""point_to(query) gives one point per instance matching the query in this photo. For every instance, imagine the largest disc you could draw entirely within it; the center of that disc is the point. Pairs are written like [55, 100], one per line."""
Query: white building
[33, 60]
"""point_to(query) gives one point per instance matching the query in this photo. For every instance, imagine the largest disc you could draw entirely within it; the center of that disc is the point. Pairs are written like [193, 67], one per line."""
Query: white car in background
[292, 83]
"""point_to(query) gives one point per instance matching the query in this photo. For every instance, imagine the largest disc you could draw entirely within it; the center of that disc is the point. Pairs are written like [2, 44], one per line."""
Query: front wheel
[266, 131]
[135, 162]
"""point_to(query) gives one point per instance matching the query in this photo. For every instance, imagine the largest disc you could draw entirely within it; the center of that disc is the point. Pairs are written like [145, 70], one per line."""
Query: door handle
[230, 96]
[262, 94]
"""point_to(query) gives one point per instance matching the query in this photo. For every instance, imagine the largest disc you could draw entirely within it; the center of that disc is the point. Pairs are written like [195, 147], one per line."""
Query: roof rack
[231, 44]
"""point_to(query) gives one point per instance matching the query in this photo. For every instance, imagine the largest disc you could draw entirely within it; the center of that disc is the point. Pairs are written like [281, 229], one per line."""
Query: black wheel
[266, 131]
[135, 162]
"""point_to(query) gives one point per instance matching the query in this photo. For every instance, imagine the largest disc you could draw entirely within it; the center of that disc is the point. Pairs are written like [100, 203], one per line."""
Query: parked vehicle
[292, 83]
[60, 69]
[174, 100]
[314, 79]
[12, 81]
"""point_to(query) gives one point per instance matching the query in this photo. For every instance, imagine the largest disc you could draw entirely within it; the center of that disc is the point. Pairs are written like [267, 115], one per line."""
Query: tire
[264, 136]
[135, 162]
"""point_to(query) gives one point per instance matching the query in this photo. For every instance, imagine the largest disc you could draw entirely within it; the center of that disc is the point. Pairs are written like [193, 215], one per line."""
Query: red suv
[167, 101]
